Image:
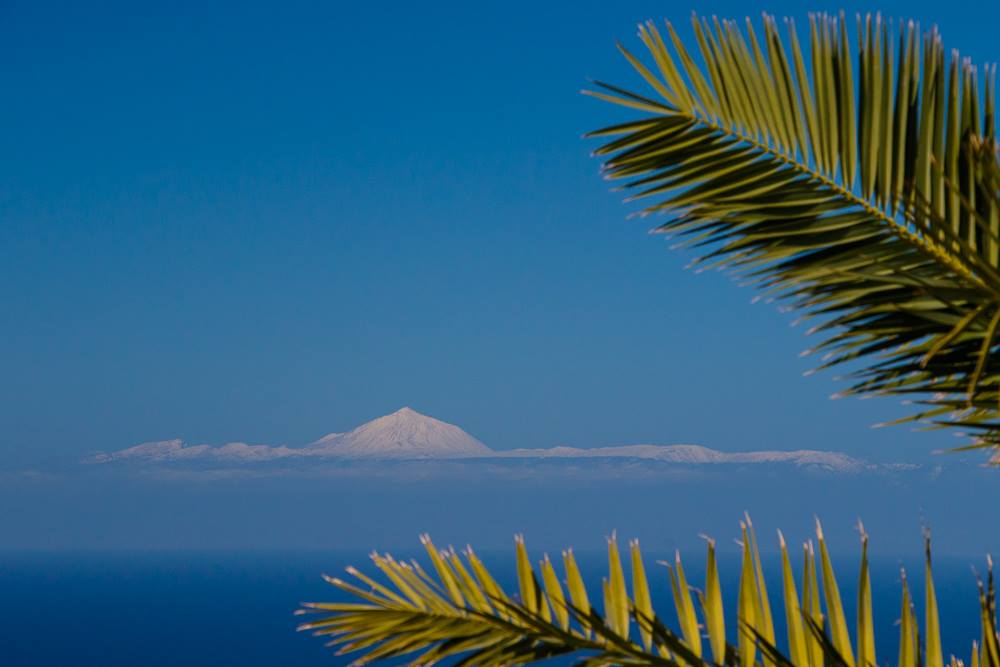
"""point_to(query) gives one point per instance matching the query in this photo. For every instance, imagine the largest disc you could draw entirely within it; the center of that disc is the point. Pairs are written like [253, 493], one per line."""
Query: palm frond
[860, 184]
[469, 617]
[460, 614]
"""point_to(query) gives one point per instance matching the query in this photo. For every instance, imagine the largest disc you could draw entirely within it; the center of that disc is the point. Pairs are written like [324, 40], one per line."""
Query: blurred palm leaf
[859, 183]
[461, 614]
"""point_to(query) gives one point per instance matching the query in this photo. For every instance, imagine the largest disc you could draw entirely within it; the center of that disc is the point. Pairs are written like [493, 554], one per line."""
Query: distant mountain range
[408, 435]
[405, 434]
[696, 454]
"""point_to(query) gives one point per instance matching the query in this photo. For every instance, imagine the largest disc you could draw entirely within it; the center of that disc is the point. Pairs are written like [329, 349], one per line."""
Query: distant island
[409, 435]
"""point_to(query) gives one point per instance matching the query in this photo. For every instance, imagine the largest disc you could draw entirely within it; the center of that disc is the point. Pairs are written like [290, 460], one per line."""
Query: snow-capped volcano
[408, 435]
[404, 434]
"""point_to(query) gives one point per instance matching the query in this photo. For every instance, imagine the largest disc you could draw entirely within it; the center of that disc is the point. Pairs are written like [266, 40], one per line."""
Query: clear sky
[235, 222]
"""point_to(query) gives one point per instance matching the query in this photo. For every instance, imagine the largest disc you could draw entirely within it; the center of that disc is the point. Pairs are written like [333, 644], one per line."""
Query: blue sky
[265, 223]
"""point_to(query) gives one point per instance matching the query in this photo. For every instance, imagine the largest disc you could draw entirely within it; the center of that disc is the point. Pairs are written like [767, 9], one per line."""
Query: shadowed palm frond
[460, 614]
[858, 183]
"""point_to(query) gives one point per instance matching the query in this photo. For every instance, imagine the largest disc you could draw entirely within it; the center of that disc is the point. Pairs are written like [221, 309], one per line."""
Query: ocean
[236, 608]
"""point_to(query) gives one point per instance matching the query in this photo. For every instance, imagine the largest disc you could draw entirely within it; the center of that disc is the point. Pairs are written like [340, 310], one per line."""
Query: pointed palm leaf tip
[850, 169]
[415, 615]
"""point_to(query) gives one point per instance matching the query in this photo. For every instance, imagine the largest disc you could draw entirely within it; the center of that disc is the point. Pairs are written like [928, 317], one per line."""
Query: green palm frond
[461, 614]
[855, 179]
[462, 611]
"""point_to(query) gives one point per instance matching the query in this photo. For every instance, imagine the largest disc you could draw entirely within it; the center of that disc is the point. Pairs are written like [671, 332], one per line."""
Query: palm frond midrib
[811, 174]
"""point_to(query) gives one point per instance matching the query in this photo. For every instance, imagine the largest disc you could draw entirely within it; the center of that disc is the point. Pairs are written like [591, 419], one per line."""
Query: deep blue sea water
[235, 608]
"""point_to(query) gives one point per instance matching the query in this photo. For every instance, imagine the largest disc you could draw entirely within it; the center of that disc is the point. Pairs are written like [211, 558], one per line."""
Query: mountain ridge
[409, 435]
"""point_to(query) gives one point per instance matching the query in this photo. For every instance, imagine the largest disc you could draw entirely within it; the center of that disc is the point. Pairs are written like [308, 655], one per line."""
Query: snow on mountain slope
[405, 434]
[324, 441]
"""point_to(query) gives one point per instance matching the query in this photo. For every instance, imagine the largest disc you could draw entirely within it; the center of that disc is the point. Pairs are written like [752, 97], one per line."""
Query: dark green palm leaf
[860, 184]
